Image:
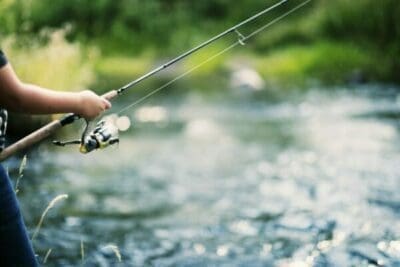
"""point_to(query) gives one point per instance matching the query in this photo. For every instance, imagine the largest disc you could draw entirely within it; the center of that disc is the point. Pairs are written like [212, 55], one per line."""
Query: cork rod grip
[110, 95]
[30, 139]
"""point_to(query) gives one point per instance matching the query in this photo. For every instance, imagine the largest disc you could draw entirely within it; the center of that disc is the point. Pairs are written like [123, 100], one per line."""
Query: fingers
[99, 106]
[106, 103]
[92, 105]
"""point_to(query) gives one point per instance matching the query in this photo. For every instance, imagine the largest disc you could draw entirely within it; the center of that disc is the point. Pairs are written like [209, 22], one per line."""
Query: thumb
[107, 104]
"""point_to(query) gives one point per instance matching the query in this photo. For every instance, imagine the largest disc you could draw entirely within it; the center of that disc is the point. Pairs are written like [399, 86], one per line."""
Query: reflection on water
[151, 114]
[309, 181]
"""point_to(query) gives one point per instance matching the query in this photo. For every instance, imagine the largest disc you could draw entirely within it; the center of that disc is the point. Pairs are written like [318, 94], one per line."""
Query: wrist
[79, 103]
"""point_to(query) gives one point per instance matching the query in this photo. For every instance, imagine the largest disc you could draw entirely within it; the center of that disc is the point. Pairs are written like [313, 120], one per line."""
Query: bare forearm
[37, 100]
[27, 98]
[21, 97]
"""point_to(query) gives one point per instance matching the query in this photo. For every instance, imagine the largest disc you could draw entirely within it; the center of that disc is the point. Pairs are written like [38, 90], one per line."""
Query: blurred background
[282, 152]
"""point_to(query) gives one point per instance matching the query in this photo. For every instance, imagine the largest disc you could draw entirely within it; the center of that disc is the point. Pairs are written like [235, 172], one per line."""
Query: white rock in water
[247, 78]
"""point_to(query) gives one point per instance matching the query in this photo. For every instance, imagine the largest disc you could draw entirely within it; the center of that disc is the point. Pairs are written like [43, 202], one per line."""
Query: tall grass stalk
[82, 252]
[22, 167]
[47, 256]
[116, 251]
[51, 205]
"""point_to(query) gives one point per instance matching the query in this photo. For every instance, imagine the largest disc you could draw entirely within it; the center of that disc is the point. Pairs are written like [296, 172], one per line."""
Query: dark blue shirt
[3, 59]
[3, 112]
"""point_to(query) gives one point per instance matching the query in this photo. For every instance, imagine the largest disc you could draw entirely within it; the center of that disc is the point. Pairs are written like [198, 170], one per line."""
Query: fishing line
[197, 48]
[105, 132]
[241, 41]
[140, 100]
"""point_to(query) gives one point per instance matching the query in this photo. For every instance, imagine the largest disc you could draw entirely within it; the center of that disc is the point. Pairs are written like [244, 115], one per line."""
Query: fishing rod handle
[44, 132]
[110, 95]
[30, 139]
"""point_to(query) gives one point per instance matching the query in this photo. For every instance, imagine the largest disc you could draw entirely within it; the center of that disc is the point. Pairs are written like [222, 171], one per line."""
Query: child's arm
[21, 97]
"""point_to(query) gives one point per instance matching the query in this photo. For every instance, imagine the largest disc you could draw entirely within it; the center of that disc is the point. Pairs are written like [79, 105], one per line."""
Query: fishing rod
[233, 29]
[105, 133]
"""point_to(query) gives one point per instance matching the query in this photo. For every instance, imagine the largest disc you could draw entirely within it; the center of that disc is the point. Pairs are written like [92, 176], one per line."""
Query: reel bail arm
[104, 134]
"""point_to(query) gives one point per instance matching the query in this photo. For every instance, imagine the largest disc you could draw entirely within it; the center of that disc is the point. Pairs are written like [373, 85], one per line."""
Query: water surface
[306, 179]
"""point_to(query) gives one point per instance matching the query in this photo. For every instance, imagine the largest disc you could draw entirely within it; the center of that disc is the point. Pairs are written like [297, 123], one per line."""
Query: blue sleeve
[3, 59]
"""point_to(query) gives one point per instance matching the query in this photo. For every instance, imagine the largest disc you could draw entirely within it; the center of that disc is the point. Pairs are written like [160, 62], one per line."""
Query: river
[298, 179]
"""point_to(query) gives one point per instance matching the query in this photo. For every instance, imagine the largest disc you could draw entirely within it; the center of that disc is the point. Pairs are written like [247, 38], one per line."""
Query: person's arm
[21, 97]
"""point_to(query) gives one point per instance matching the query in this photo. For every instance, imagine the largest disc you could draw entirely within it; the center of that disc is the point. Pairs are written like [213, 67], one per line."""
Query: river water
[303, 179]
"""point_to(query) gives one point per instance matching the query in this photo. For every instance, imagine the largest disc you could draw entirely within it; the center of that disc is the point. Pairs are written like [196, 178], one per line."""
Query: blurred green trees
[129, 22]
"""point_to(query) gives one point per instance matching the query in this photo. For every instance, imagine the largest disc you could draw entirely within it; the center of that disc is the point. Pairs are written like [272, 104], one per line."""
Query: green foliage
[123, 66]
[133, 23]
[331, 62]
[369, 24]
[334, 40]
[198, 59]
[363, 20]
[58, 64]
[366, 28]
[115, 71]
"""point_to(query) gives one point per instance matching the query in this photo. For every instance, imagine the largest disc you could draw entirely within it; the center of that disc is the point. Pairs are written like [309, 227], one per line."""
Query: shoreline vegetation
[103, 44]
[74, 48]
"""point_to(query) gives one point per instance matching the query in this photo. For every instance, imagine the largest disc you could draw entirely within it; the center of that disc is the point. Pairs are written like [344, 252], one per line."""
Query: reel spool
[104, 134]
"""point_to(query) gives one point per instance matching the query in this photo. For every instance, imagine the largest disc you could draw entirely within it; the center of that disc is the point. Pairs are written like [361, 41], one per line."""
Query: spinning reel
[104, 134]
